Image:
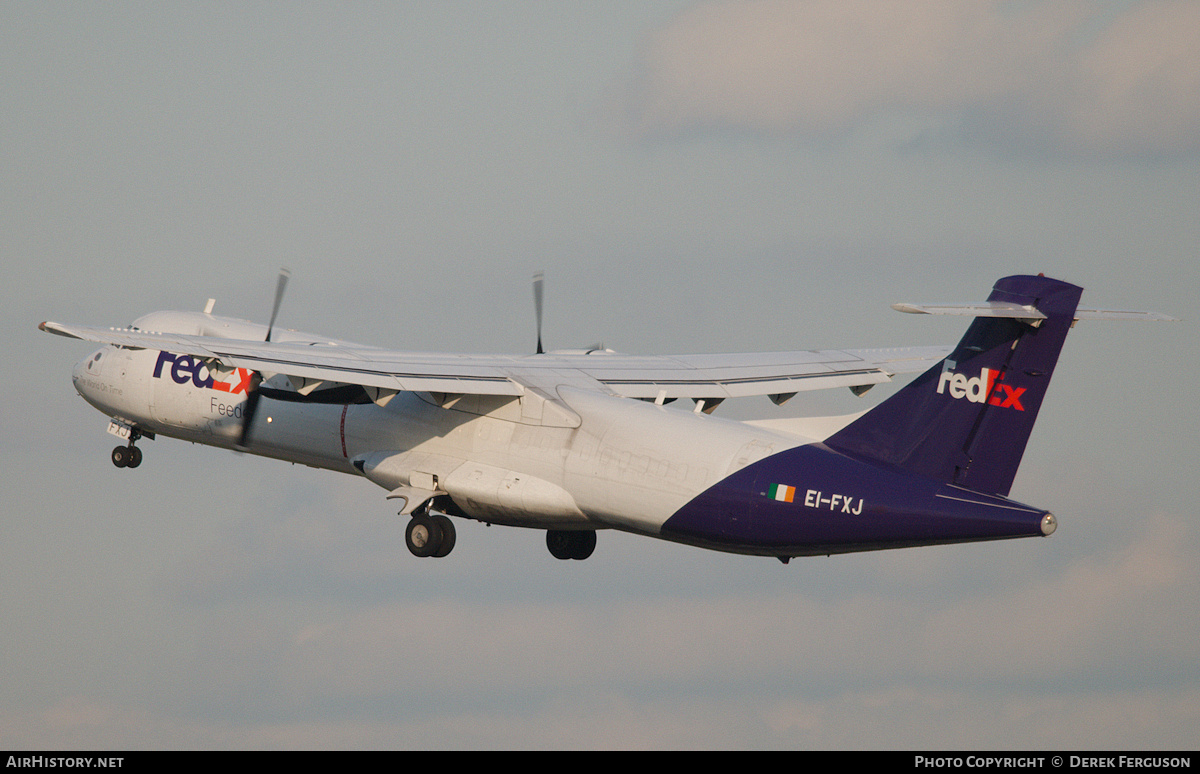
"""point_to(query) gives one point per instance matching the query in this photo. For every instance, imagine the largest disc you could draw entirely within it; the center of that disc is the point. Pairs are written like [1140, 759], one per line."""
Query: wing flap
[766, 373]
[733, 386]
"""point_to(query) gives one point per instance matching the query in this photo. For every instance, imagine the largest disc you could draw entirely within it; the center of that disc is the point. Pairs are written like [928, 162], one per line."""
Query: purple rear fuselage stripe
[841, 504]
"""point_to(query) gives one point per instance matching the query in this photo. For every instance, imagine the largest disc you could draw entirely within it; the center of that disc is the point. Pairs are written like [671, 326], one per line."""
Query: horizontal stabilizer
[986, 309]
[1026, 311]
[1121, 314]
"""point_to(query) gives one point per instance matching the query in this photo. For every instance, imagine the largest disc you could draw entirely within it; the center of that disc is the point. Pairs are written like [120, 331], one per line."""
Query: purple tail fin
[966, 420]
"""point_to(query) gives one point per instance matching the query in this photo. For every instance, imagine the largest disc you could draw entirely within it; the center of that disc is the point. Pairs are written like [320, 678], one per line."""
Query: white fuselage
[581, 459]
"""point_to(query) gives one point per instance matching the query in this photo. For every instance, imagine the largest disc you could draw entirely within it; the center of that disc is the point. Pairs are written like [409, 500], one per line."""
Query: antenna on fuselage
[252, 393]
[538, 282]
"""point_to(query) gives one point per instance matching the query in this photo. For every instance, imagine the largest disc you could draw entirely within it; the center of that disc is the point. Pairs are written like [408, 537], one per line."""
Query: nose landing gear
[127, 456]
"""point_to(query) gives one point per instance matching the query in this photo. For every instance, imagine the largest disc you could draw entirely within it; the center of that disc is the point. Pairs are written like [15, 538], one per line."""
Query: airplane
[577, 441]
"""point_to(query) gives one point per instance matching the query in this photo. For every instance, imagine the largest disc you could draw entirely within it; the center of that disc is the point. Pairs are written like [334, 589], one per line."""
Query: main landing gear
[430, 534]
[571, 544]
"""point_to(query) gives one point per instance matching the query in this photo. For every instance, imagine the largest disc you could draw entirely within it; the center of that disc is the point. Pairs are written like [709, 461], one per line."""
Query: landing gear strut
[430, 534]
[571, 544]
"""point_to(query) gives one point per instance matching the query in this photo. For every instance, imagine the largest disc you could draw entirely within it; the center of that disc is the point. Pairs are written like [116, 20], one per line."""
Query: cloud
[1055, 635]
[1055, 75]
[1054, 654]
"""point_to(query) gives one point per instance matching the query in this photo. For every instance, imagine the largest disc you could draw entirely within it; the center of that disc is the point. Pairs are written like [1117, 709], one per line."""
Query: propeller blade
[280, 286]
[248, 410]
[538, 281]
[252, 394]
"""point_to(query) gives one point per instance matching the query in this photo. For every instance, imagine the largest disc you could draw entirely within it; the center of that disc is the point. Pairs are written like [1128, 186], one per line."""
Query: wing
[652, 377]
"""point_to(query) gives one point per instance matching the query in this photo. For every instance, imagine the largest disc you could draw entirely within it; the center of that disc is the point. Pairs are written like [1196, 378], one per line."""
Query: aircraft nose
[77, 375]
[89, 365]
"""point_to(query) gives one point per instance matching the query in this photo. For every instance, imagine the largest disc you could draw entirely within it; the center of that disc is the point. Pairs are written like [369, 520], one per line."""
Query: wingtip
[57, 330]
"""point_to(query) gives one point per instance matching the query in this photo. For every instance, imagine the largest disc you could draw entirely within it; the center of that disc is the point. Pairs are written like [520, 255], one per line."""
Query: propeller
[538, 282]
[280, 286]
[252, 392]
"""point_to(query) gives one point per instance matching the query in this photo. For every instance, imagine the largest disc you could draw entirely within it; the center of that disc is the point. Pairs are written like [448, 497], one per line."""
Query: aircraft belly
[495, 470]
[503, 496]
[629, 465]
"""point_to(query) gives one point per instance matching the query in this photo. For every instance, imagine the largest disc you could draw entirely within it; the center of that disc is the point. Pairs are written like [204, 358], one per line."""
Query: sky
[692, 177]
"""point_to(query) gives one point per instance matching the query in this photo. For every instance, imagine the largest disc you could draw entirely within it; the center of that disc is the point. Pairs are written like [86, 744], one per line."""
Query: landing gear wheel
[430, 535]
[448, 534]
[571, 544]
[422, 536]
[127, 456]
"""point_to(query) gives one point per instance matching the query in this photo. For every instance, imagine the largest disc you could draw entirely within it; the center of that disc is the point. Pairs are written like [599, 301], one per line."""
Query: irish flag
[781, 492]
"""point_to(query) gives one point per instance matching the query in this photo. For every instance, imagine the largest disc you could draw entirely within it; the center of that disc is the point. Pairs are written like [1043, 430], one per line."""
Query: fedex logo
[184, 368]
[985, 387]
